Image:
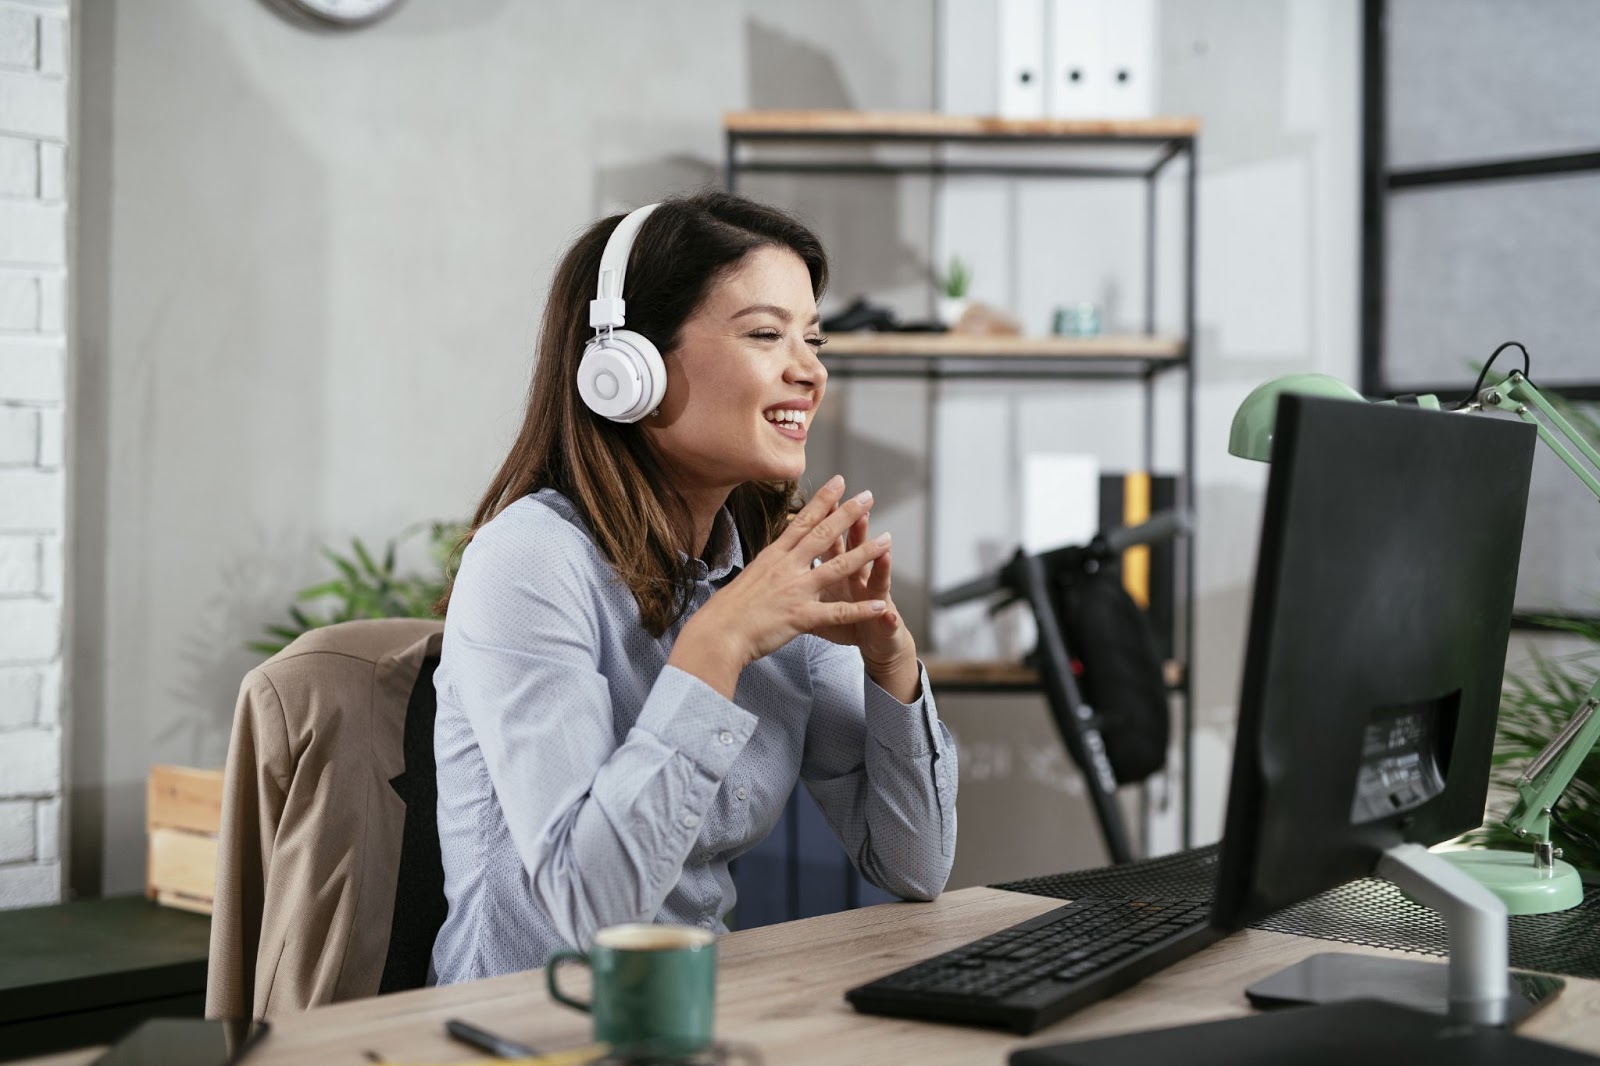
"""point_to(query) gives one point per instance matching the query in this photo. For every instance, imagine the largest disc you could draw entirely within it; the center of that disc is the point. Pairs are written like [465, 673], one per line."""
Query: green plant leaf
[317, 592]
[365, 589]
[365, 556]
[345, 567]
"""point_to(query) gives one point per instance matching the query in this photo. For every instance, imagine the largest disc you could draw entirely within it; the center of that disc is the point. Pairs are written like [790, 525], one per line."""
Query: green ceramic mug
[654, 988]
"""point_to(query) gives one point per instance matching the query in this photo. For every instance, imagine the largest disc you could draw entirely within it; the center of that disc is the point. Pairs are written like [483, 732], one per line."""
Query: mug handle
[550, 978]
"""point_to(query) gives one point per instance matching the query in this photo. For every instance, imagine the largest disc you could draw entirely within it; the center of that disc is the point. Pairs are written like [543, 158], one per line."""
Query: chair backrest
[328, 829]
[419, 902]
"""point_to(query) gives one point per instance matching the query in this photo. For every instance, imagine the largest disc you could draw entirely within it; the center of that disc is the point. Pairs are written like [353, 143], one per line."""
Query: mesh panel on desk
[1366, 911]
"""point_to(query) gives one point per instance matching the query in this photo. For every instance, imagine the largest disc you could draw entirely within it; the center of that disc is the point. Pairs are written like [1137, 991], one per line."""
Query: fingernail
[882, 539]
[877, 605]
[835, 482]
[864, 497]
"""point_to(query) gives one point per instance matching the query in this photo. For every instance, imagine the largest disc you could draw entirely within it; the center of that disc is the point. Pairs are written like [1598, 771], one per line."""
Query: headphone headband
[608, 310]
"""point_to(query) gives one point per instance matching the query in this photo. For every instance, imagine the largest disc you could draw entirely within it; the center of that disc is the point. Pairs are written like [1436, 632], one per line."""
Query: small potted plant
[954, 286]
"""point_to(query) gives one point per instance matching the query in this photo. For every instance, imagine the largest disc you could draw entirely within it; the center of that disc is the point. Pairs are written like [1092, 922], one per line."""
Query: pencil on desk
[567, 1057]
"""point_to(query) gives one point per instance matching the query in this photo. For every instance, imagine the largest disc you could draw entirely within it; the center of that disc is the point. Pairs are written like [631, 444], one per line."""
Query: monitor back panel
[1382, 609]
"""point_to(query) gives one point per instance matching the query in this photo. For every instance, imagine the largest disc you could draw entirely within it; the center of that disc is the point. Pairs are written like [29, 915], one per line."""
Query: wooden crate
[183, 811]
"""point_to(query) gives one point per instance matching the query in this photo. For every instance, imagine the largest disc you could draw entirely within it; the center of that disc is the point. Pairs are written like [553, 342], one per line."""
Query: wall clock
[343, 13]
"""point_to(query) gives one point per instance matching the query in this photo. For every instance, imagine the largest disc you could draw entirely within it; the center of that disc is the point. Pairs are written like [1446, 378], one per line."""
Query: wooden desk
[780, 988]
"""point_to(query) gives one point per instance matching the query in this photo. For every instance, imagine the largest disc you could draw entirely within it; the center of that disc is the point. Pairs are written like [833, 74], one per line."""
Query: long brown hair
[608, 469]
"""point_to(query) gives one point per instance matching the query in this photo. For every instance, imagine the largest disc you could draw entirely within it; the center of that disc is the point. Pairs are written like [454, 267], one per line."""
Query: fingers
[834, 525]
[822, 503]
[843, 566]
[854, 537]
[824, 519]
[857, 534]
[846, 612]
[878, 580]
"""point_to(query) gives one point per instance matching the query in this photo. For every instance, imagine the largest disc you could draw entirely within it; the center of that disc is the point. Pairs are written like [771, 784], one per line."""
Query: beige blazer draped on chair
[309, 849]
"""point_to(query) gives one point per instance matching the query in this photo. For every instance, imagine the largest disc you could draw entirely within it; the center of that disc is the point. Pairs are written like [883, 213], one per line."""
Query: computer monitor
[1382, 609]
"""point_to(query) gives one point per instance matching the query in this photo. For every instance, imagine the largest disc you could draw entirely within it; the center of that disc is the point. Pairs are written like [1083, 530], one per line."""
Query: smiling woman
[640, 657]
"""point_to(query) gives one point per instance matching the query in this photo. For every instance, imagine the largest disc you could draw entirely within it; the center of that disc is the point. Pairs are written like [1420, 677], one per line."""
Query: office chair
[329, 882]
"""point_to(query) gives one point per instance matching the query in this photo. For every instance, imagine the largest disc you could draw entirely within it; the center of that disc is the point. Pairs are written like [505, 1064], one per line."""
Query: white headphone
[621, 376]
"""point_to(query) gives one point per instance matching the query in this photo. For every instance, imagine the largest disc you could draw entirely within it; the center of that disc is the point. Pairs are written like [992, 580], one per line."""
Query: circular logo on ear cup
[606, 384]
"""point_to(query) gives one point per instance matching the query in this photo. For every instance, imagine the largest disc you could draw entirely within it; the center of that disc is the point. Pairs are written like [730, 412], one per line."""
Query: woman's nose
[807, 368]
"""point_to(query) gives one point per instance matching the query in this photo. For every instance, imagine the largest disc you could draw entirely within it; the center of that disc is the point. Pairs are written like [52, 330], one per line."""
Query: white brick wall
[34, 63]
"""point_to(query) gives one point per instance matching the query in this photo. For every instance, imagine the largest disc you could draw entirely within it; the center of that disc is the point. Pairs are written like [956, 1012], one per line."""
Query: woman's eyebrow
[774, 309]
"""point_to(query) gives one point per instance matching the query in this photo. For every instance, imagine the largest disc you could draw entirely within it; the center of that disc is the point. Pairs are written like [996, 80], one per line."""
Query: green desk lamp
[1540, 883]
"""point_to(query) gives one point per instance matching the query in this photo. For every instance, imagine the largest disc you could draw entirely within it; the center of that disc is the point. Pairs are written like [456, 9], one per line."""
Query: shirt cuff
[908, 729]
[691, 717]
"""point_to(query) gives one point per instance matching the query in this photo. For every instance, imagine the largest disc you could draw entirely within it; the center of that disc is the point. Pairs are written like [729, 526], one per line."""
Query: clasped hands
[822, 575]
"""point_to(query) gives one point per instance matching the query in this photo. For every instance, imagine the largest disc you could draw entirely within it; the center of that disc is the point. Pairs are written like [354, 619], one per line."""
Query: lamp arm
[1548, 775]
[1517, 395]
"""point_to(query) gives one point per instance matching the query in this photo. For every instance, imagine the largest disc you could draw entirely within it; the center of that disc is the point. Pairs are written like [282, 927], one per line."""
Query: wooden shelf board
[934, 124]
[1008, 672]
[979, 671]
[925, 345]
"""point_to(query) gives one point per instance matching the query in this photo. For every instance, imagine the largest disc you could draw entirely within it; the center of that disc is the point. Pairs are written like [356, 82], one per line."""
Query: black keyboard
[1031, 974]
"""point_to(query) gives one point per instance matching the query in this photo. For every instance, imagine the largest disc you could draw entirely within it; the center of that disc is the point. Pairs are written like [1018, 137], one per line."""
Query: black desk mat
[1367, 911]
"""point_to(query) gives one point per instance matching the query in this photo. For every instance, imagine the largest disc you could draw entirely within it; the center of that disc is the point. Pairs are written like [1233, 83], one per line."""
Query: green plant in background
[1536, 703]
[368, 588]
[955, 281]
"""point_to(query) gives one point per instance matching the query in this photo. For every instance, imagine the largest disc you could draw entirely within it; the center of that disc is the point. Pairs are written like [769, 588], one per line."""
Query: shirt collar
[728, 557]
[727, 553]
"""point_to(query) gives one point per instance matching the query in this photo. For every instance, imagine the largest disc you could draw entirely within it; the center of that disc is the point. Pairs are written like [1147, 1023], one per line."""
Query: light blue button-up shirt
[583, 782]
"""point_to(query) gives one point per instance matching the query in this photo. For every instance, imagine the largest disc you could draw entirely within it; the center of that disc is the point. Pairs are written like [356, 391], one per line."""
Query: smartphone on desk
[184, 1042]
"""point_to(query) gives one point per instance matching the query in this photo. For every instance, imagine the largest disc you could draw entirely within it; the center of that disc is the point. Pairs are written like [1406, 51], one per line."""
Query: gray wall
[314, 266]
[311, 267]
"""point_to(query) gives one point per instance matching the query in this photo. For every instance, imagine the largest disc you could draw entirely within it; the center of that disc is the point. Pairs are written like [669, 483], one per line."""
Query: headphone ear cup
[622, 376]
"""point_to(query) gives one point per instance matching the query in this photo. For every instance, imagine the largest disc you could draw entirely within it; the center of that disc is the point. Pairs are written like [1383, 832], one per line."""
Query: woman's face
[744, 382]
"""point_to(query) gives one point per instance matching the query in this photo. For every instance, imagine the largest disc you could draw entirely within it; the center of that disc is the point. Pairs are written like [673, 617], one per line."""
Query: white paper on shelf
[1060, 500]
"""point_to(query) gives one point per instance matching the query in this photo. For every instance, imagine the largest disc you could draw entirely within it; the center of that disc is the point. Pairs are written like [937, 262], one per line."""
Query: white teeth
[787, 417]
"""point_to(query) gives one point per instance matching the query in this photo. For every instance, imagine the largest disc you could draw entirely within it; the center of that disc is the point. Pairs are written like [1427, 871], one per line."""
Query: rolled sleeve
[691, 717]
[883, 773]
[907, 729]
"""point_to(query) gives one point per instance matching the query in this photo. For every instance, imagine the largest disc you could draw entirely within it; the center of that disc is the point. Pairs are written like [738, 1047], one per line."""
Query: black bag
[1110, 638]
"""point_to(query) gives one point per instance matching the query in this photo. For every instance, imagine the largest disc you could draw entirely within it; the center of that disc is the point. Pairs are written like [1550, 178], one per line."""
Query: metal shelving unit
[893, 144]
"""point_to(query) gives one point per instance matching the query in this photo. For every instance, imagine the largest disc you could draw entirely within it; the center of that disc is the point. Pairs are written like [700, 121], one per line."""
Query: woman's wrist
[901, 677]
[709, 653]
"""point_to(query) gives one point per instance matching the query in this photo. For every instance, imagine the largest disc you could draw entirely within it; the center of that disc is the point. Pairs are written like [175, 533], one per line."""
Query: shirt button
[725, 736]
[690, 821]
[707, 923]
[742, 793]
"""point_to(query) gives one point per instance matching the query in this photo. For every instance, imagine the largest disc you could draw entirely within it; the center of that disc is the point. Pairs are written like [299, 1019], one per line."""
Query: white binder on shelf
[1077, 60]
[1128, 37]
[1022, 58]
[1102, 59]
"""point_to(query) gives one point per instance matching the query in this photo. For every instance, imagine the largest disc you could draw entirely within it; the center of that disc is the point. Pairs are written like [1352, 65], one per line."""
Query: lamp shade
[1250, 437]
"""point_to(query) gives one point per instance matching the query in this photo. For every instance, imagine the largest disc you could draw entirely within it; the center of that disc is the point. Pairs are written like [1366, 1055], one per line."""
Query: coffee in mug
[654, 988]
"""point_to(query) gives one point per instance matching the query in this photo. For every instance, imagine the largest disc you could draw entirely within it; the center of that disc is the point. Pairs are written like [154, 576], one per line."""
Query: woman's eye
[816, 342]
[766, 335]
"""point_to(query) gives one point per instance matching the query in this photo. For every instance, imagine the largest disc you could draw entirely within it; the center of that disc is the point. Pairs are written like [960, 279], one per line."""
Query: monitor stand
[1476, 984]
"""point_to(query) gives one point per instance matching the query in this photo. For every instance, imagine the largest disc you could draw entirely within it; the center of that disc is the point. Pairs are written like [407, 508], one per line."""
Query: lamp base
[1523, 887]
